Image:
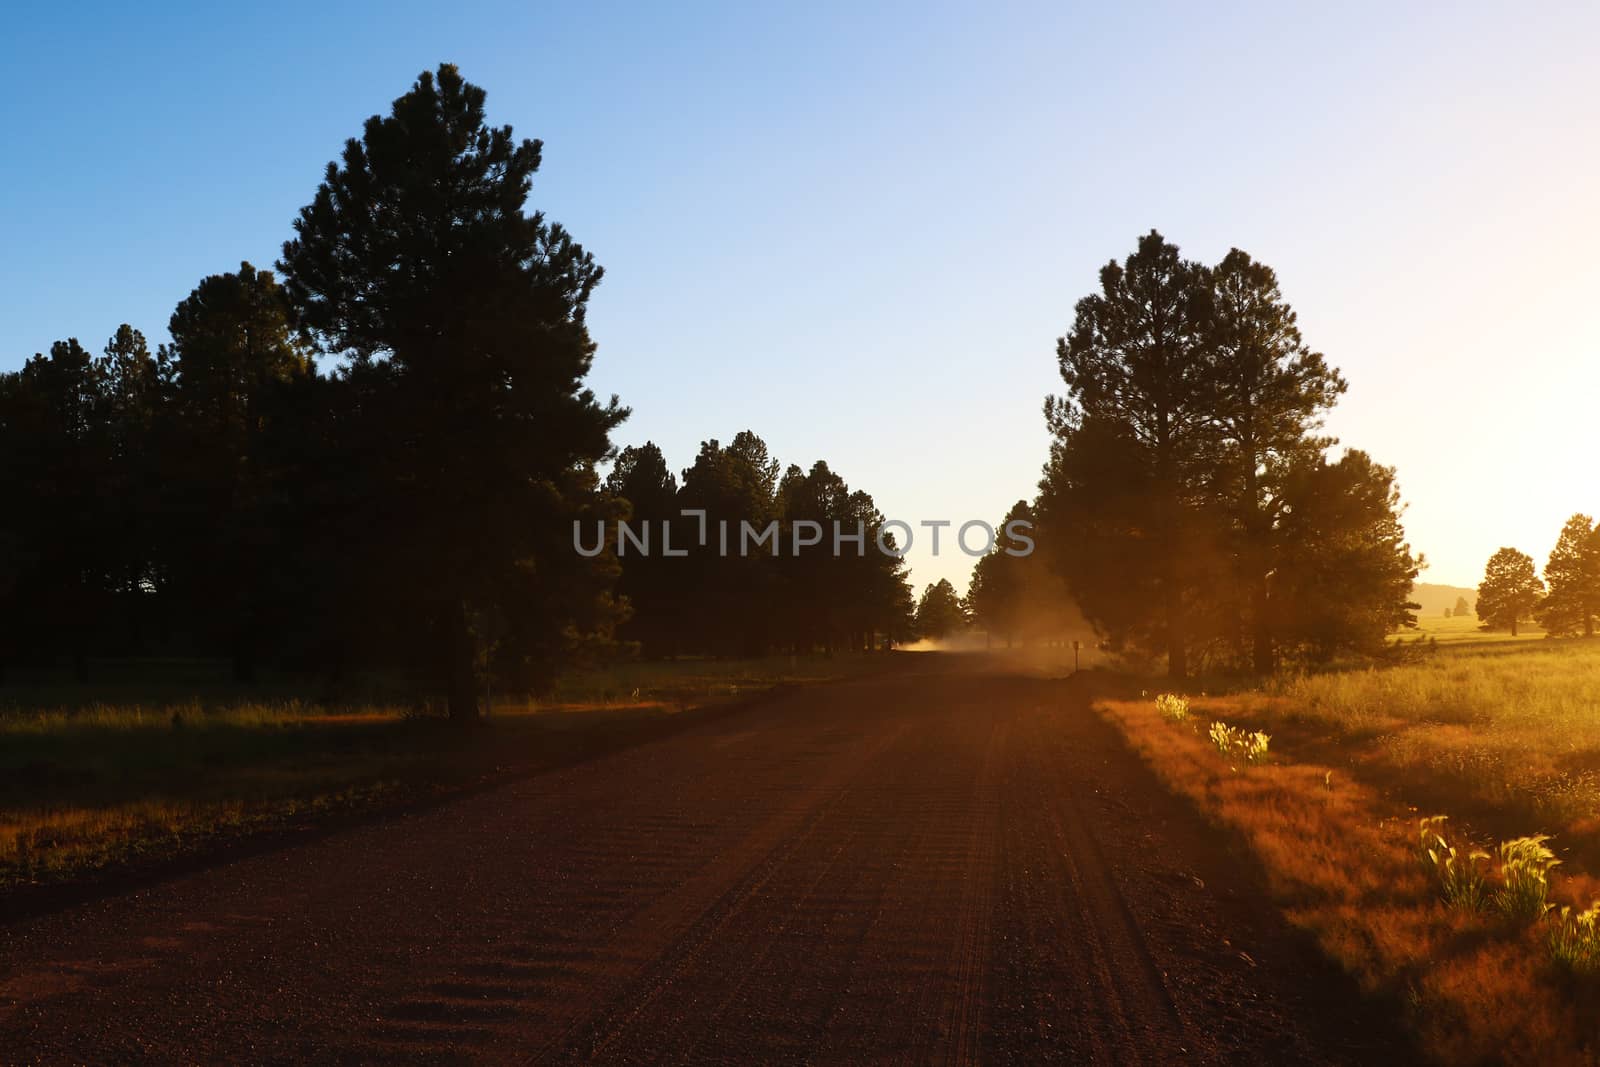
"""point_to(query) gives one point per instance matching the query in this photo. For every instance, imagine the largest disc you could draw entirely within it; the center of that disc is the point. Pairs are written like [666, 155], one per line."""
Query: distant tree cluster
[941, 612]
[1566, 602]
[1189, 501]
[739, 593]
[1012, 597]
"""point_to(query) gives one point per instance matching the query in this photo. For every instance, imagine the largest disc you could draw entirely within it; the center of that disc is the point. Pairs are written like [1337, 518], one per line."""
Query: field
[95, 779]
[1502, 737]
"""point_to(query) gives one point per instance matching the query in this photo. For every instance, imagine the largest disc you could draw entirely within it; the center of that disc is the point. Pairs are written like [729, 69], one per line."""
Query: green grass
[1241, 746]
[1173, 707]
[700, 680]
[1502, 734]
[1466, 629]
[1525, 865]
[185, 759]
[1575, 940]
[1491, 728]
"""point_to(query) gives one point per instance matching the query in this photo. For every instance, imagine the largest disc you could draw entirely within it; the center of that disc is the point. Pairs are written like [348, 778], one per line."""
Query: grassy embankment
[142, 767]
[1500, 735]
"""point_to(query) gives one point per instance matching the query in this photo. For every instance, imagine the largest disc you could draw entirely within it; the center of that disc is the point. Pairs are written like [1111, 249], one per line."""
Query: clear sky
[859, 232]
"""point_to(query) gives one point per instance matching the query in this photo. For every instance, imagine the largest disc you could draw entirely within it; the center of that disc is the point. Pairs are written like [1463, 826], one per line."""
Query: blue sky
[858, 232]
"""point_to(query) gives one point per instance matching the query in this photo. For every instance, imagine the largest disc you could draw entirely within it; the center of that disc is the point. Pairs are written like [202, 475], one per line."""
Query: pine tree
[1269, 395]
[235, 357]
[1138, 392]
[1510, 590]
[940, 612]
[463, 320]
[1573, 574]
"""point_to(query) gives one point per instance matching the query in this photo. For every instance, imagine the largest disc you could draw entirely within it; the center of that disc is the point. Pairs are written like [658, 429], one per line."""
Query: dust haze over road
[947, 863]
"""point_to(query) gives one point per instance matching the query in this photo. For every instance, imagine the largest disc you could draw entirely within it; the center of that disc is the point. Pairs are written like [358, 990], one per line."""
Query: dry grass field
[1460, 919]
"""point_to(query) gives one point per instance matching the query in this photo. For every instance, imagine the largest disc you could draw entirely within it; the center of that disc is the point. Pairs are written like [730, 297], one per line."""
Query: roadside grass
[1505, 734]
[87, 788]
[1449, 918]
[675, 683]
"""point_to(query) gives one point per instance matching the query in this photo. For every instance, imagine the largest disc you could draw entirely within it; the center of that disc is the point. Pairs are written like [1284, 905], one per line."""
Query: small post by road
[1075, 646]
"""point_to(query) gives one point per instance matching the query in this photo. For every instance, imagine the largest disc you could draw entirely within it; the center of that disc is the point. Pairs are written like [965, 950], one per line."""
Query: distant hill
[1435, 598]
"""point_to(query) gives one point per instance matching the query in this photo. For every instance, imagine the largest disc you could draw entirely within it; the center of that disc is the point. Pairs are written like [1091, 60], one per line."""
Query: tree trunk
[1177, 638]
[1258, 555]
[461, 668]
[1266, 659]
[1513, 626]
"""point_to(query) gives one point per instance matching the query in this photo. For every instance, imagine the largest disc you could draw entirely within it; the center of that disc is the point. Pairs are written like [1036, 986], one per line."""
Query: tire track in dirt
[968, 964]
[1131, 986]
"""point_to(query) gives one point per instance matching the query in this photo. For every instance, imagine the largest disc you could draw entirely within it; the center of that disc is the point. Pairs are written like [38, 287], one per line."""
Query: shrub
[1239, 744]
[1525, 864]
[1430, 837]
[1462, 880]
[1173, 707]
[1575, 940]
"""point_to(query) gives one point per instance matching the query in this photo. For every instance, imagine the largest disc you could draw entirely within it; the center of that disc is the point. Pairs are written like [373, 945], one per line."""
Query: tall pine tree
[417, 263]
[1573, 575]
[1269, 395]
[1138, 392]
[1510, 590]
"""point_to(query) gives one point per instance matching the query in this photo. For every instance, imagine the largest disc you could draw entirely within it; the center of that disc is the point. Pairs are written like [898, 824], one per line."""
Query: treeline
[407, 502]
[223, 497]
[1019, 598]
[1565, 602]
[380, 461]
[172, 500]
[753, 577]
[1189, 505]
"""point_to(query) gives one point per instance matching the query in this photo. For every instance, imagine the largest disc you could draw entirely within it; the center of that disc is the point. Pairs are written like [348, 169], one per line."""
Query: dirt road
[939, 865]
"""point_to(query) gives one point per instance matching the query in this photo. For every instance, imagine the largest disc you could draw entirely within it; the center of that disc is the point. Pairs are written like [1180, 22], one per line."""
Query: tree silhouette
[1573, 574]
[236, 360]
[136, 388]
[1137, 382]
[732, 593]
[652, 583]
[1510, 590]
[836, 595]
[58, 471]
[1463, 609]
[464, 318]
[1181, 474]
[1270, 393]
[746, 588]
[940, 612]
[411, 506]
[1014, 594]
[1342, 568]
[1097, 523]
